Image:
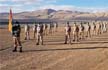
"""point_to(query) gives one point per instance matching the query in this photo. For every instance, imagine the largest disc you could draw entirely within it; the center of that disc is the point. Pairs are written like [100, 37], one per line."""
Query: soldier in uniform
[81, 31]
[104, 27]
[34, 30]
[55, 27]
[50, 28]
[45, 29]
[67, 33]
[86, 29]
[27, 32]
[75, 32]
[89, 30]
[98, 28]
[39, 34]
[16, 30]
[93, 28]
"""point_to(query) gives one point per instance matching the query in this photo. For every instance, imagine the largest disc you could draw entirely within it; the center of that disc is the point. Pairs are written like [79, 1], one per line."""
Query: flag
[10, 21]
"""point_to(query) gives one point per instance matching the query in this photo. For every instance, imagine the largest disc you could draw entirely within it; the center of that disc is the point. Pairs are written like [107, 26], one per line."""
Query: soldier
[39, 34]
[45, 29]
[75, 32]
[50, 28]
[104, 27]
[93, 28]
[98, 28]
[86, 29]
[81, 31]
[27, 30]
[55, 27]
[34, 30]
[106, 24]
[16, 30]
[67, 33]
[89, 30]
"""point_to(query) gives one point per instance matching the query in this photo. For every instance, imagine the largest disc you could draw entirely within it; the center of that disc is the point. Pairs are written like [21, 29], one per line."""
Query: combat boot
[15, 49]
[20, 49]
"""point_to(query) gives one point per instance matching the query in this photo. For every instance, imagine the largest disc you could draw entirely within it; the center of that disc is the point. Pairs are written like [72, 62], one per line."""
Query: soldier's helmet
[15, 23]
[67, 24]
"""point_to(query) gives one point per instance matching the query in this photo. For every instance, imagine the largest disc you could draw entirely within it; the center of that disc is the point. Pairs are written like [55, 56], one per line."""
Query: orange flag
[10, 21]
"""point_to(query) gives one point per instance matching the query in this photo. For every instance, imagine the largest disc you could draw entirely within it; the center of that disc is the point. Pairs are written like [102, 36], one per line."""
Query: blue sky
[31, 5]
[86, 3]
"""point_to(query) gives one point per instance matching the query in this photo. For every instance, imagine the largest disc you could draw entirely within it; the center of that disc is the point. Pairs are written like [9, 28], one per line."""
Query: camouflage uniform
[40, 34]
[67, 33]
[75, 32]
[55, 27]
[81, 31]
[34, 30]
[16, 30]
[27, 30]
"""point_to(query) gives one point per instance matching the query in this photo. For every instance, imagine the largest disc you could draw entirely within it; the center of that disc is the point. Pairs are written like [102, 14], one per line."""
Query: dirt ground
[88, 54]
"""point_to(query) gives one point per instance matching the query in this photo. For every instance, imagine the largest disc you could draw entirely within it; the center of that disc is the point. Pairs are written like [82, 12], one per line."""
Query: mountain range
[54, 14]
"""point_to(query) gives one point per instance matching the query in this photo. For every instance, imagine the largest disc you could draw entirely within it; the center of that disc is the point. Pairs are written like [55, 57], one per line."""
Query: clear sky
[31, 5]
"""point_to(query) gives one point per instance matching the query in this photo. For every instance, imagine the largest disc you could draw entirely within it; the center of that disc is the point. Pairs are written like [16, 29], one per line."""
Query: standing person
[52, 26]
[98, 28]
[67, 33]
[39, 34]
[49, 28]
[34, 30]
[86, 29]
[16, 30]
[81, 31]
[45, 29]
[75, 32]
[55, 27]
[104, 27]
[27, 30]
[93, 28]
[89, 30]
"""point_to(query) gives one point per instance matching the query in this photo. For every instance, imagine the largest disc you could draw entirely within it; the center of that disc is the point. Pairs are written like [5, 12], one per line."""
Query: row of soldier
[84, 30]
[78, 31]
[39, 30]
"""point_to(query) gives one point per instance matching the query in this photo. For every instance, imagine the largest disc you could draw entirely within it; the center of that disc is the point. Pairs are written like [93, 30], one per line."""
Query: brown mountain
[53, 14]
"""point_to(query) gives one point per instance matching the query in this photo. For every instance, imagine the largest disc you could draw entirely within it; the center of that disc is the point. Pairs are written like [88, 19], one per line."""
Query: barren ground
[89, 54]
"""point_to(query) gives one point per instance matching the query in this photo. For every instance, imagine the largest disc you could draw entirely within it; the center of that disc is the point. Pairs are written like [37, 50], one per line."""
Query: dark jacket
[16, 29]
